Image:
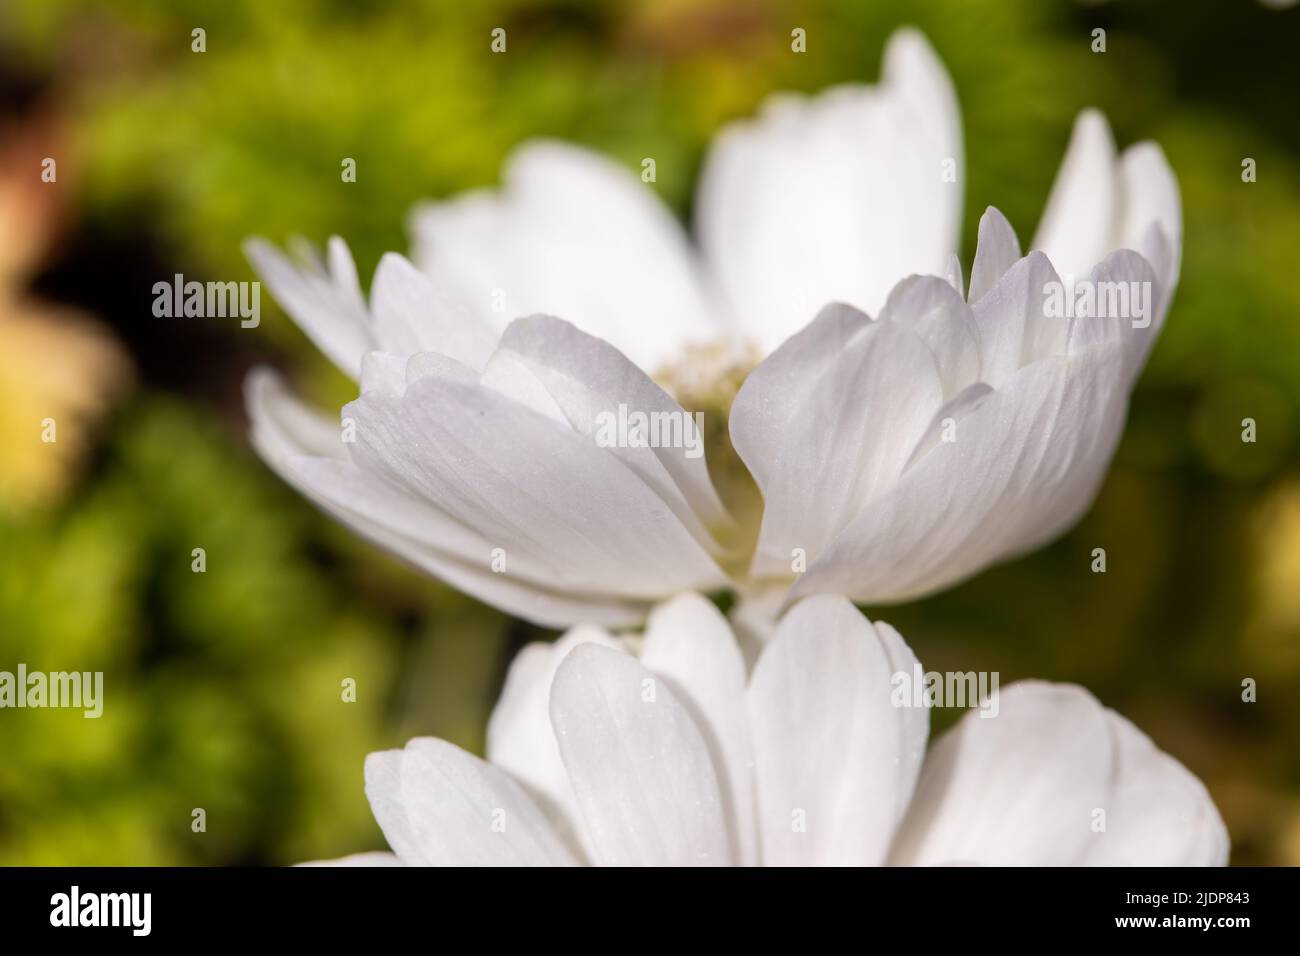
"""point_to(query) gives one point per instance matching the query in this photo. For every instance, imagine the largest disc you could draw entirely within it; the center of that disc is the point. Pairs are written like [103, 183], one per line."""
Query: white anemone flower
[662, 751]
[894, 456]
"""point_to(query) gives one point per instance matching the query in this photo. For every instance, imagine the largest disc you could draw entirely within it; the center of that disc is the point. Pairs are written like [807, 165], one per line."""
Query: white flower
[894, 457]
[674, 756]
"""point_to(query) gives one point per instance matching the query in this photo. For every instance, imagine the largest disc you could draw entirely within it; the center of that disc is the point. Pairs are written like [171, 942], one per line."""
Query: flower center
[705, 378]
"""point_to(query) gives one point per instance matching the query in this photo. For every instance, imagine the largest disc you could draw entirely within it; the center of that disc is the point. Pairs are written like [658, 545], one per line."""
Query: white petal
[1120, 282]
[307, 451]
[939, 316]
[1015, 788]
[996, 251]
[689, 644]
[434, 364]
[640, 767]
[571, 234]
[1152, 225]
[1151, 196]
[531, 486]
[1014, 325]
[1164, 261]
[519, 735]
[826, 423]
[943, 424]
[412, 316]
[436, 543]
[834, 198]
[1025, 787]
[1157, 812]
[325, 301]
[1024, 464]
[512, 375]
[835, 760]
[441, 806]
[587, 381]
[283, 426]
[761, 417]
[952, 275]
[1078, 225]
[386, 370]
[1101, 204]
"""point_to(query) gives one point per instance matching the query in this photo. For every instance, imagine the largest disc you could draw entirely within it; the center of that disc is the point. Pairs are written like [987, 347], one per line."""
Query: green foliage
[221, 688]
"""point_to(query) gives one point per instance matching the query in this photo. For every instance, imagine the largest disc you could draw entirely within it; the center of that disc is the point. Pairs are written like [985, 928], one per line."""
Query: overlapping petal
[669, 759]
[641, 771]
[459, 472]
[308, 452]
[1023, 464]
[826, 423]
[571, 233]
[834, 198]
[441, 806]
[519, 735]
[1054, 778]
[689, 644]
[835, 761]
[322, 295]
[900, 455]
[1103, 201]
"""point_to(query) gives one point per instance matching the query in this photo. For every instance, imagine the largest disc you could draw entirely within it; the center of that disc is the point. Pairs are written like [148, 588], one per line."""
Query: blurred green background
[223, 688]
